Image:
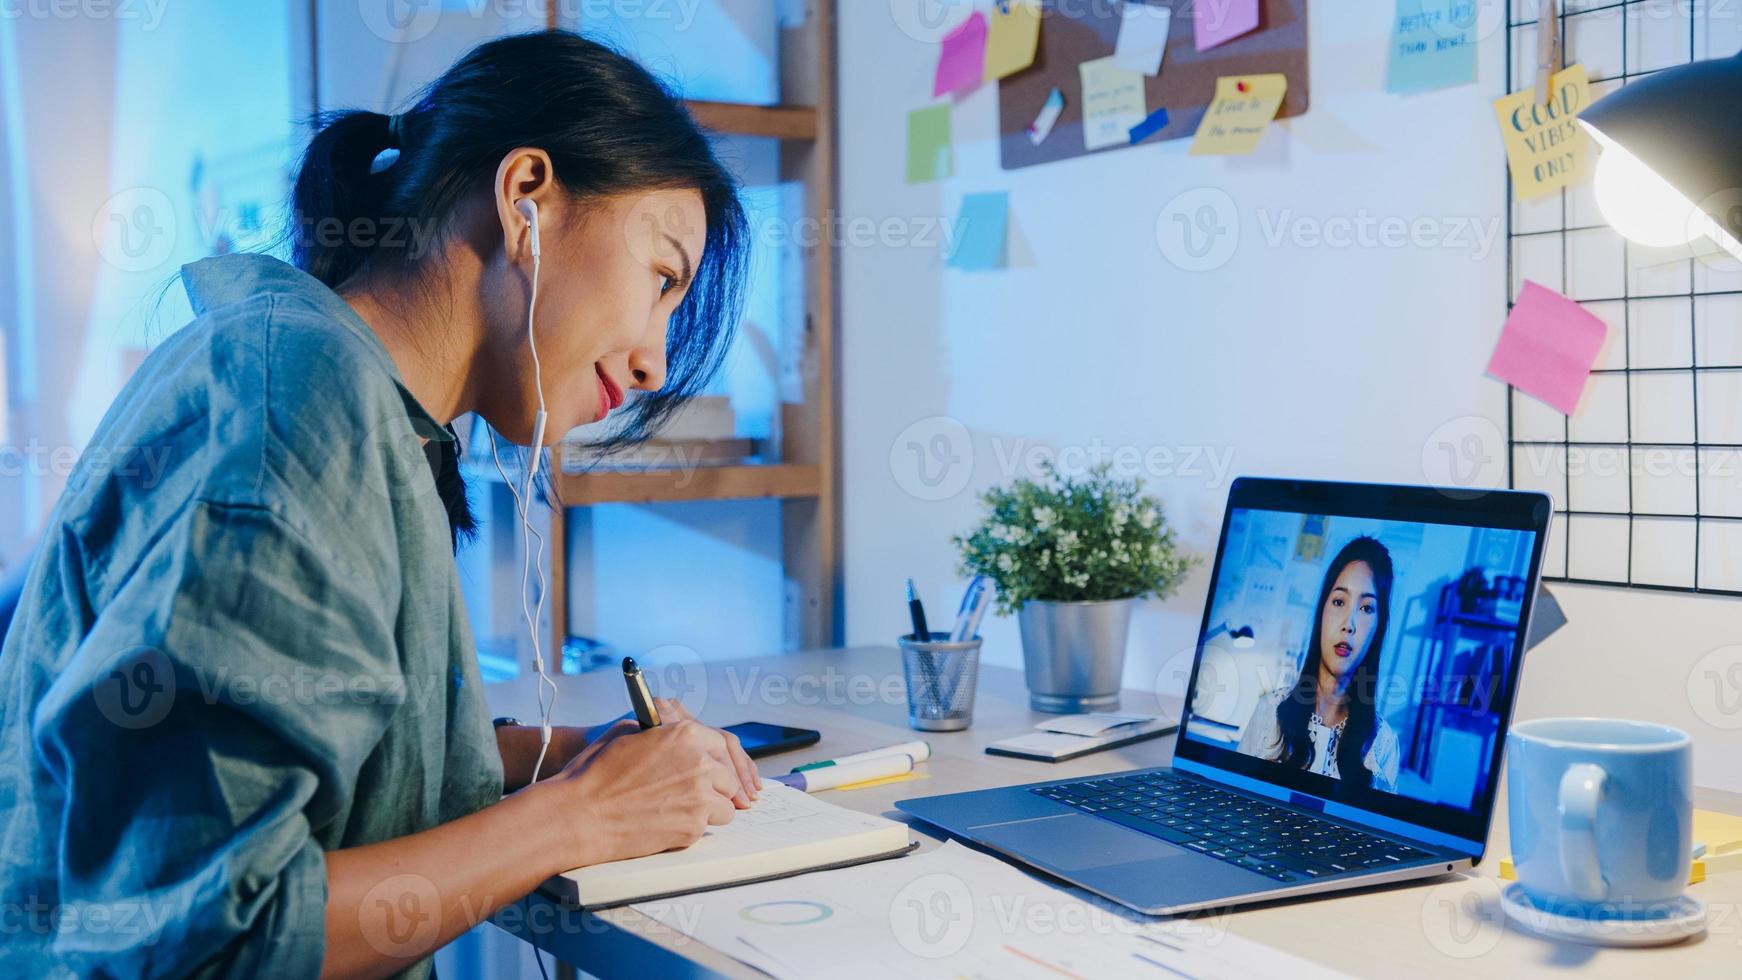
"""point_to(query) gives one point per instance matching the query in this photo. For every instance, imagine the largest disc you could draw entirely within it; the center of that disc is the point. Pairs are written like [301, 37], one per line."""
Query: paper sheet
[962, 60]
[1112, 103]
[1548, 346]
[1012, 37]
[1433, 45]
[928, 145]
[1220, 21]
[1546, 147]
[980, 232]
[1241, 112]
[953, 912]
[1142, 37]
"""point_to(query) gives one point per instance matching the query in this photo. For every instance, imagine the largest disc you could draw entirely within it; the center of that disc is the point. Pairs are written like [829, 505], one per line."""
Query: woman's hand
[672, 710]
[640, 792]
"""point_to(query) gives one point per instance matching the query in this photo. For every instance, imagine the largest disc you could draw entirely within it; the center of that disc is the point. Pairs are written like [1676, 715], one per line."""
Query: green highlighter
[920, 750]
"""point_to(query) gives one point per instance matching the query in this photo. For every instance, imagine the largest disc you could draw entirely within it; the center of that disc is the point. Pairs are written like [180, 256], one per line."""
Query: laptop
[1345, 713]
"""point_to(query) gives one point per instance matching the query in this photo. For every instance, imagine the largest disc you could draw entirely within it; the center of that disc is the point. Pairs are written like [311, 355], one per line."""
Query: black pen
[639, 697]
[917, 610]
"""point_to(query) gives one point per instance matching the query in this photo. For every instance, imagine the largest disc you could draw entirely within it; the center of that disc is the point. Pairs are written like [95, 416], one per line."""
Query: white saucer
[1683, 918]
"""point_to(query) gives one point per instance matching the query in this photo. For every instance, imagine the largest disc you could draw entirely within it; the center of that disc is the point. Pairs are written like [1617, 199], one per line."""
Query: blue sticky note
[1156, 122]
[1433, 45]
[980, 232]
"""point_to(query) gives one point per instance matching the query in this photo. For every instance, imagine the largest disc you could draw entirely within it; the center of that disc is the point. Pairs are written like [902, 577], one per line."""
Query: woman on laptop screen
[1325, 722]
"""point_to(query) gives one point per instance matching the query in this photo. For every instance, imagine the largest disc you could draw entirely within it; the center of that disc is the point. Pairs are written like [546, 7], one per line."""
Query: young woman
[1324, 722]
[242, 730]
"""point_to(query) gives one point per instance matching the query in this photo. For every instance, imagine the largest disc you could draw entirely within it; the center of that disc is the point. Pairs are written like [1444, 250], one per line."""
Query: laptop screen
[1364, 648]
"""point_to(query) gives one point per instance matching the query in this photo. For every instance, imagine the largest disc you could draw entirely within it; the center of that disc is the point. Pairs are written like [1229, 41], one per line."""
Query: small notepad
[1070, 736]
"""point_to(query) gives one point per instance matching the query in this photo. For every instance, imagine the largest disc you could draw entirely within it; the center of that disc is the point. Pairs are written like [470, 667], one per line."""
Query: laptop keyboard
[1274, 841]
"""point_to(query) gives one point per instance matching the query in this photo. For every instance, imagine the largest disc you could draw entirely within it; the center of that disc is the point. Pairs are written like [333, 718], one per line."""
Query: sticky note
[1219, 21]
[1242, 111]
[928, 145]
[1112, 103]
[1012, 37]
[1156, 122]
[1433, 45]
[980, 232]
[1547, 347]
[1545, 146]
[1048, 117]
[962, 59]
[1142, 37]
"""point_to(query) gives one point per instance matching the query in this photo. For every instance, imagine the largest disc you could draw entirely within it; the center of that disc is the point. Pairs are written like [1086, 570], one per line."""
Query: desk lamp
[1671, 167]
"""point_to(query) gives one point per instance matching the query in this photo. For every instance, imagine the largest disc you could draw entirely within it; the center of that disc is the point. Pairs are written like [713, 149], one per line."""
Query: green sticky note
[928, 145]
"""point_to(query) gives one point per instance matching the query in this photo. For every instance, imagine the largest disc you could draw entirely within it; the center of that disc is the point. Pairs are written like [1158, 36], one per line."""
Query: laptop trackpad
[1075, 842]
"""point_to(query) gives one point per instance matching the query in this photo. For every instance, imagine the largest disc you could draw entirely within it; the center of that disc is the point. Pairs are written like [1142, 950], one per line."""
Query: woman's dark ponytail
[336, 195]
[609, 127]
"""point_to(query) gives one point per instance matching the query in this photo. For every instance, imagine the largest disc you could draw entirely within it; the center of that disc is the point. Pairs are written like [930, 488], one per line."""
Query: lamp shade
[1671, 168]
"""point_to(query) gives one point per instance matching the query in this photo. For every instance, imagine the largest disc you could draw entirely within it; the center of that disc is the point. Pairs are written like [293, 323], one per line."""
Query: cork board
[1075, 31]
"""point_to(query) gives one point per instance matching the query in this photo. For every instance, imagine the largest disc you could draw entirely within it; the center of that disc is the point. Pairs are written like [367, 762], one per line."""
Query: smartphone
[760, 739]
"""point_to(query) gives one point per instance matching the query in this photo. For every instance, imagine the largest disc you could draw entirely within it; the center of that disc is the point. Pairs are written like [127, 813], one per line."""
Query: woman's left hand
[671, 710]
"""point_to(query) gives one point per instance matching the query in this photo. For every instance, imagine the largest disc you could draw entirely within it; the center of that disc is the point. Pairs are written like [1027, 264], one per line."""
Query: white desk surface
[1446, 926]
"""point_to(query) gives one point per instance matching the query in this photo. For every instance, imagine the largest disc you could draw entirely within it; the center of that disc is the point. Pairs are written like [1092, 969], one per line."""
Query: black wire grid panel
[1647, 476]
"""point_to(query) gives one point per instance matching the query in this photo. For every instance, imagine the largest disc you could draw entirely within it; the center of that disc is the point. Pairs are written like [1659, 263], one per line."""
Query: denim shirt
[241, 645]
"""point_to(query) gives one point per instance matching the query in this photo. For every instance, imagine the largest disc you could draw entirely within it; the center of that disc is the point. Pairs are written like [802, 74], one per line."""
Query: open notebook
[784, 833]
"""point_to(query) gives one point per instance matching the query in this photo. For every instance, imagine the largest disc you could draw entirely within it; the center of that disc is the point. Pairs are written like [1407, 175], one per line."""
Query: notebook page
[783, 819]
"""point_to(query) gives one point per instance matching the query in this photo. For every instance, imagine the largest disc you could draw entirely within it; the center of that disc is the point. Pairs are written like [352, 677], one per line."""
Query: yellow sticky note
[1013, 37]
[1113, 102]
[1242, 111]
[1545, 146]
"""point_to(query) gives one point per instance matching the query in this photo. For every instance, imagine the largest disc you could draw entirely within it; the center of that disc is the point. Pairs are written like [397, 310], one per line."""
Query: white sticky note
[1143, 37]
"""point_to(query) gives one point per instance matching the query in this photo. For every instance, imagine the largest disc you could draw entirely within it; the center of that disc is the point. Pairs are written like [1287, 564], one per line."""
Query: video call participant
[1316, 724]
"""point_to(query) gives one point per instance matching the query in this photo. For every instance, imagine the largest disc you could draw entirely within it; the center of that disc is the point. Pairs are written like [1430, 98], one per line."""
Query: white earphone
[528, 209]
[530, 561]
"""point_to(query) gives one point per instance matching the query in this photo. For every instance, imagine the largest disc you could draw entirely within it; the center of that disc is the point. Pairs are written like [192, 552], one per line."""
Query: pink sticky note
[962, 62]
[1548, 346]
[1217, 21]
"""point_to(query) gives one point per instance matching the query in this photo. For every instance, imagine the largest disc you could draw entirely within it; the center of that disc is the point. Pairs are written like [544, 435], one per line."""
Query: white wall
[1296, 357]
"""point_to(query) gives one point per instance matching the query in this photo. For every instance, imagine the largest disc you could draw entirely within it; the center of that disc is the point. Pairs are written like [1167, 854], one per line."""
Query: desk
[1448, 926]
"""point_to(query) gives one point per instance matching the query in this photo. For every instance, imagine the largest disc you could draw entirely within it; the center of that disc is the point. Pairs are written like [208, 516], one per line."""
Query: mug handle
[1581, 788]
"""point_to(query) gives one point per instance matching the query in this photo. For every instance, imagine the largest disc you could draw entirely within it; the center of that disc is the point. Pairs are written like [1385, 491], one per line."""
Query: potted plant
[1071, 557]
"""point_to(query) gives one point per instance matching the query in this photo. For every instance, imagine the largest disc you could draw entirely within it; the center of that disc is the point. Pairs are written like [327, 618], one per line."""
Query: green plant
[1074, 540]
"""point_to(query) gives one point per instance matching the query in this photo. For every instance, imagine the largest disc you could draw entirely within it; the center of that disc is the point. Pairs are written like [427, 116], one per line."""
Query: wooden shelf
[742, 482]
[776, 121]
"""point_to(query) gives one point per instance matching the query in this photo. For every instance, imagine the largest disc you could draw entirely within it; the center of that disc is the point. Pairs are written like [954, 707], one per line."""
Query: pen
[974, 603]
[639, 697]
[920, 751]
[917, 610]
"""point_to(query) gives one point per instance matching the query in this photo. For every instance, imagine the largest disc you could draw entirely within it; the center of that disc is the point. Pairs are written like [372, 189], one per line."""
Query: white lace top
[1262, 738]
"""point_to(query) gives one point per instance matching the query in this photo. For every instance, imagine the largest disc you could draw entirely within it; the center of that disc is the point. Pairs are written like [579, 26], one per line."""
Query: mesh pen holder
[941, 676]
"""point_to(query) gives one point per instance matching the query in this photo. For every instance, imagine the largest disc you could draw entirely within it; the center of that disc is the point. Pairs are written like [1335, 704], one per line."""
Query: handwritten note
[1545, 147]
[962, 60]
[1220, 21]
[1112, 103]
[1012, 38]
[1047, 118]
[1433, 45]
[1241, 112]
[928, 145]
[1548, 346]
[1143, 37]
[981, 230]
